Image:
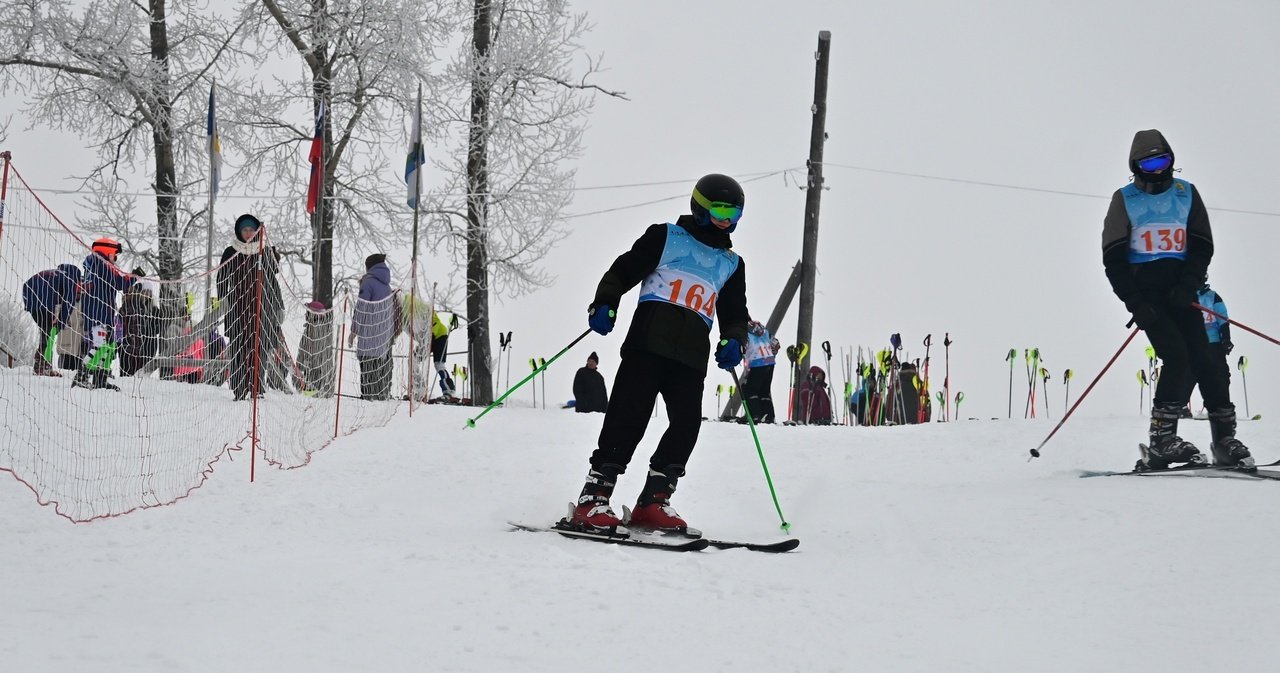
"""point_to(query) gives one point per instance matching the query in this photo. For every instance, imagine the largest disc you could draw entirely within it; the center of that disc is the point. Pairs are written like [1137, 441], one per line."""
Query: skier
[1156, 248]
[589, 391]
[686, 272]
[1218, 331]
[103, 282]
[757, 384]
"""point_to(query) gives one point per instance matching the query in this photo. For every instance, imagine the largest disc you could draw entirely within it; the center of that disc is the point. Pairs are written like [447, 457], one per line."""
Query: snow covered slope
[928, 548]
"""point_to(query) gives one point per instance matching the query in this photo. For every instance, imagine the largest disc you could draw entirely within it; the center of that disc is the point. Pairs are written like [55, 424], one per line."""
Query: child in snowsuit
[50, 296]
[687, 273]
[757, 384]
[1218, 330]
[1156, 248]
[103, 282]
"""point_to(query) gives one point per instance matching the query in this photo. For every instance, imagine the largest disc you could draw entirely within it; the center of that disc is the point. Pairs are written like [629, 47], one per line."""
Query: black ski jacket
[1150, 282]
[665, 329]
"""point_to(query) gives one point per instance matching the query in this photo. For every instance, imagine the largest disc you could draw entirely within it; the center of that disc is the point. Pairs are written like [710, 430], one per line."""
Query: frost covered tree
[129, 76]
[519, 125]
[362, 60]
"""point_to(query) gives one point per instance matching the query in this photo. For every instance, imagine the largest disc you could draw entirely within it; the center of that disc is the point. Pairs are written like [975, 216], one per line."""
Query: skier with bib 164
[687, 274]
[1156, 247]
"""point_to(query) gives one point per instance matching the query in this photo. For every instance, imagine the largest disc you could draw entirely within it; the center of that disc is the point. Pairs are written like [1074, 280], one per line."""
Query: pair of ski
[688, 540]
[1211, 471]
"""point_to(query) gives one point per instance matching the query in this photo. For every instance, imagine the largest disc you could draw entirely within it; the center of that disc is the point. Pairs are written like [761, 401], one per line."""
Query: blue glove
[728, 354]
[601, 318]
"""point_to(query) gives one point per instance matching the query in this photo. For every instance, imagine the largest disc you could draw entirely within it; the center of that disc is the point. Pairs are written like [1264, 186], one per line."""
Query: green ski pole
[471, 422]
[786, 527]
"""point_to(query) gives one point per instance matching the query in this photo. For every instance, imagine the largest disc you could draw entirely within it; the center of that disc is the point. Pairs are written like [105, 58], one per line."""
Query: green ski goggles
[725, 212]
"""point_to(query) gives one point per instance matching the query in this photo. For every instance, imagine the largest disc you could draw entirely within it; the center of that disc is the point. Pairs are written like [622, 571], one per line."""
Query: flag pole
[415, 144]
[213, 187]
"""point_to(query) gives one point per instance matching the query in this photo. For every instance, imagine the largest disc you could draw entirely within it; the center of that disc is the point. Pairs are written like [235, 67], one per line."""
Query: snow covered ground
[928, 548]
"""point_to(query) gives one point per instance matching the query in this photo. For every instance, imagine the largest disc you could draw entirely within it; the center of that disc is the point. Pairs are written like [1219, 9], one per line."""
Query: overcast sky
[1042, 97]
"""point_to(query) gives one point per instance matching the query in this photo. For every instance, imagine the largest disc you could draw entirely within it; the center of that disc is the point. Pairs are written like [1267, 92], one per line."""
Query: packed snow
[938, 547]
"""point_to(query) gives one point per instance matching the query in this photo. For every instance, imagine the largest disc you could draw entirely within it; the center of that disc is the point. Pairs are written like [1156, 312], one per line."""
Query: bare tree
[523, 117]
[363, 60]
[123, 73]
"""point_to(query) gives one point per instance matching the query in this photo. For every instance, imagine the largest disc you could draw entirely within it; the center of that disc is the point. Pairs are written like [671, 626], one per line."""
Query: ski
[778, 547]
[624, 540]
[694, 534]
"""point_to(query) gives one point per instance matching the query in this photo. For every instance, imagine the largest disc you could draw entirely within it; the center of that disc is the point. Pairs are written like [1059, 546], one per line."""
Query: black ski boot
[1166, 447]
[1227, 450]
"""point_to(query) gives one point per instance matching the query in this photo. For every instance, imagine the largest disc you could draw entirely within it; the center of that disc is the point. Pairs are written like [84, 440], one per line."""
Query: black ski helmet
[715, 187]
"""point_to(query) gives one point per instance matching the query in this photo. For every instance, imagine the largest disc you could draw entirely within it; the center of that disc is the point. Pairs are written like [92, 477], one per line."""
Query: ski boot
[653, 509]
[593, 514]
[1166, 447]
[1227, 450]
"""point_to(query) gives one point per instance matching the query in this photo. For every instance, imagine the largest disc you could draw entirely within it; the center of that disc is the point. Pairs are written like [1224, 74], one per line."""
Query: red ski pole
[1035, 453]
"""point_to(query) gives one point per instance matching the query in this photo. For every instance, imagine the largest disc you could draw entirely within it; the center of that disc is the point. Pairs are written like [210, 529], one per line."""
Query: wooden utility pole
[813, 197]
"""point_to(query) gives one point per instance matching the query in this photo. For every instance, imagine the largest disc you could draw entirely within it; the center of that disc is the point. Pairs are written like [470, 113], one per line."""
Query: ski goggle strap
[725, 212]
[1155, 164]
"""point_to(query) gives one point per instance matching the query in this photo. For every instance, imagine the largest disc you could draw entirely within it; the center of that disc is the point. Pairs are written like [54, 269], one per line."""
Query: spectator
[103, 282]
[315, 350]
[50, 297]
[420, 331]
[589, 392]
[141, 320]
[195, 351]
[815, 402]
[247, 282]
[373, 324]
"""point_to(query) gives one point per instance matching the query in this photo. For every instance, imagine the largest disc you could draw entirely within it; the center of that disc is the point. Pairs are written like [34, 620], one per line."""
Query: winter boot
[1227, 450]
[593, 512]
[41, 367]
[82, 378]
[100, 381]
[653, 509]
[1165, 446]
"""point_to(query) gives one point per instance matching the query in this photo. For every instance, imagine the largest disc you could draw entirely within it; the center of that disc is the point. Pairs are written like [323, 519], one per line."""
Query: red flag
[315, 185]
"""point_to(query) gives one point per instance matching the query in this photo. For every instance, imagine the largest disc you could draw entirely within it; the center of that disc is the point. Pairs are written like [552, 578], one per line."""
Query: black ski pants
[641, 378]
[375, 377]
[1218, 356]
[757, 393]
[1180, 340]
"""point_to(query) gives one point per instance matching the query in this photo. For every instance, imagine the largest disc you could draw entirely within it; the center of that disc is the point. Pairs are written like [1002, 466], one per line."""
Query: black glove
[600, 317]
[1144, 315]
[1228, 347]
[1181, 296]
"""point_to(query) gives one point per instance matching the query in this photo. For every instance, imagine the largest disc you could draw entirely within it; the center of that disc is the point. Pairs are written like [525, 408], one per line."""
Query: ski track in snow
[927, 548]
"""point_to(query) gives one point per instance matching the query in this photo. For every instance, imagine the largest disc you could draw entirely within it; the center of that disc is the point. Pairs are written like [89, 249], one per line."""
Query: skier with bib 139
[687, 275]
[1156, 247]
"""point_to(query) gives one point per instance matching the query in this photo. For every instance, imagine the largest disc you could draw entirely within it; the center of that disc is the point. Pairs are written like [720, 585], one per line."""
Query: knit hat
[374, 260]
[246, 221]
[593, 356]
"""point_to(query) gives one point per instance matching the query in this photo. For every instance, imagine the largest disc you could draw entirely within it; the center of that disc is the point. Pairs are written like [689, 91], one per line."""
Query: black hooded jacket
[244, 265]
[1150, 282]
[669, 330]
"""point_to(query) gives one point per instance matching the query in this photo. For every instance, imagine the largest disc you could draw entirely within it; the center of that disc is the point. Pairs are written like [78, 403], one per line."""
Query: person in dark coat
[373, 328]
[247, 281]
[687, 274]
[1156, 249]
[815, 401]
[141, 319]
[589, 392]
[103, 282]
[50, 296]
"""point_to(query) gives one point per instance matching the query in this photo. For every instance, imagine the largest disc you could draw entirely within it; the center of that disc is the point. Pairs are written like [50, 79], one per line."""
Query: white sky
[1032, 94]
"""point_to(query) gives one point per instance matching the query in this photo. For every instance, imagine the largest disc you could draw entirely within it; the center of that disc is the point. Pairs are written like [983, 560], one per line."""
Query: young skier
[1218, 331]
[1156, 247]
[687, 273]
